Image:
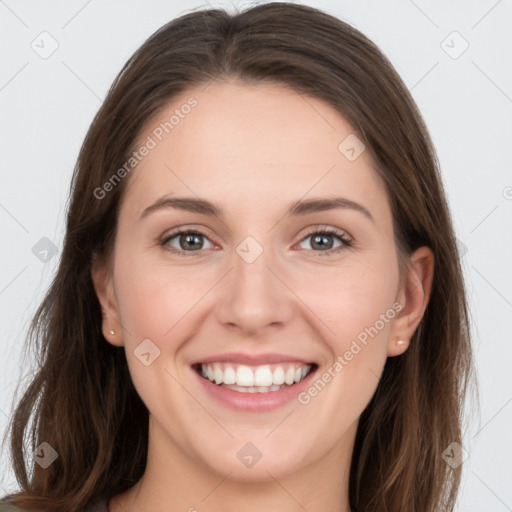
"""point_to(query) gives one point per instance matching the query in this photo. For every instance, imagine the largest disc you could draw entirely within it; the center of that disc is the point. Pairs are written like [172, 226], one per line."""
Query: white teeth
[260, 389]
[244, 376]
[262, 378]
[217, 372]
[278, 376]
[229, 375]
[290, 376]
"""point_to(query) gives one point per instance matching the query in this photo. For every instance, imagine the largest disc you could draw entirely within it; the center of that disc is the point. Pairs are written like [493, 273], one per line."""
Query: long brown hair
[82, 400]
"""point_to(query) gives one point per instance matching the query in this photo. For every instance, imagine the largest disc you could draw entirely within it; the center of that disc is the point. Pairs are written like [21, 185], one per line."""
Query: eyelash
[345, 241]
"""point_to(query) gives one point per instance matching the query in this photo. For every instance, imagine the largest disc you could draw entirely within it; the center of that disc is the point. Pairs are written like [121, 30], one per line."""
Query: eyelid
[325, 228]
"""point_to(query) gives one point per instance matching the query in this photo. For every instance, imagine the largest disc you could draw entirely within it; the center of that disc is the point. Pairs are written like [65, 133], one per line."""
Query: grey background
[47, 104]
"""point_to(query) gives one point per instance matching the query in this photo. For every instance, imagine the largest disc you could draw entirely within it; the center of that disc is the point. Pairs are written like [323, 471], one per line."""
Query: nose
[254, 296]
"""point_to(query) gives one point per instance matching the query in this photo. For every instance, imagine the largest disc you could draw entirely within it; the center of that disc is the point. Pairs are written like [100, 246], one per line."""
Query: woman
[259, 301]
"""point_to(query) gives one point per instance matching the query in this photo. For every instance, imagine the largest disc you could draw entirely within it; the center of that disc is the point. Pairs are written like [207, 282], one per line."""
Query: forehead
[239, 143]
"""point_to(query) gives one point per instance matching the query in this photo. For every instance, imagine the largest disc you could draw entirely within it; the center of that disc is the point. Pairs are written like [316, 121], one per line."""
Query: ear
[413, 296]
[103, 284]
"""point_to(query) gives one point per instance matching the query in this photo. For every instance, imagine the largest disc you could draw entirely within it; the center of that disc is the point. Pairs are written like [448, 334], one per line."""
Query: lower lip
[255, 402]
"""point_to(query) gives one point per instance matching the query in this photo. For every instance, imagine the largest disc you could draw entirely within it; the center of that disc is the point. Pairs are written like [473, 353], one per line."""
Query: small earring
[401, 342]
[112, 331]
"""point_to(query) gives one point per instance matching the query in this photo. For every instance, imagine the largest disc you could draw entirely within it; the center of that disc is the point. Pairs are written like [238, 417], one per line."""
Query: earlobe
[102, 282]
[397, 347]
[414, 296]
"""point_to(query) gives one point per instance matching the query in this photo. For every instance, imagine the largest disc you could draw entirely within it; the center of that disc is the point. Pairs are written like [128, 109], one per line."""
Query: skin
[252, 150]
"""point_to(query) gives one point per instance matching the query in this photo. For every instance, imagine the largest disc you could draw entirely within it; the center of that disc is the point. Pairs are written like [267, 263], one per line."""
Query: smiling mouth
[254, 379]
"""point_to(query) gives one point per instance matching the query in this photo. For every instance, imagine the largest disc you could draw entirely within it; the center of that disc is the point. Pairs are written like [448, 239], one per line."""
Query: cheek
[153, 305]
[152, 299]
[351, 299]
[357, 306]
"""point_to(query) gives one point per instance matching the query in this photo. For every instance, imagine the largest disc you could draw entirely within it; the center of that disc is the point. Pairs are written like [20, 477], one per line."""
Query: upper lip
[252, 359]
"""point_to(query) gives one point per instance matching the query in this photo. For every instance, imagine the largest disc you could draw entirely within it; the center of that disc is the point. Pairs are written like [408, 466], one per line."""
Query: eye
[322, 238]
[188, 241]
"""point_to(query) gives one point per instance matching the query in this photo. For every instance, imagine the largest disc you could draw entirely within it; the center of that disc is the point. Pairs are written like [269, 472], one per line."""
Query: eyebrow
[297, 208]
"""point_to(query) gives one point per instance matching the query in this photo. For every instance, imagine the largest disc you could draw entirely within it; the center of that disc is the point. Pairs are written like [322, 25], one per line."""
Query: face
[260, 293]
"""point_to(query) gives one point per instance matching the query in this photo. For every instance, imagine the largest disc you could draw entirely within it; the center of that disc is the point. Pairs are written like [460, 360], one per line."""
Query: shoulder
[99, 506]
[5, 507]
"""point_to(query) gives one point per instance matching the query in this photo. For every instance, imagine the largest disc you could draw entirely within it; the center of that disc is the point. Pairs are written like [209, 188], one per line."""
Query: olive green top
[99, 506]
